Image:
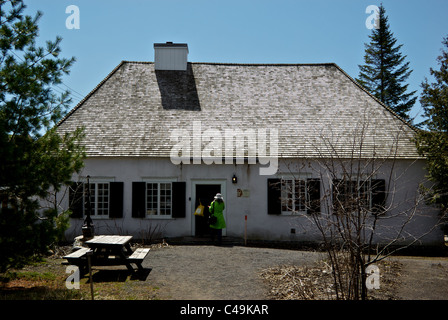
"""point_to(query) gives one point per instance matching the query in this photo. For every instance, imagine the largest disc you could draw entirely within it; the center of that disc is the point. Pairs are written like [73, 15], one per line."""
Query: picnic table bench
[108, 250]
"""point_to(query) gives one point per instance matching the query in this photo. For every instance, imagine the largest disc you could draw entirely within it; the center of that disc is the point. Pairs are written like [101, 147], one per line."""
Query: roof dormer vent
[170, 56]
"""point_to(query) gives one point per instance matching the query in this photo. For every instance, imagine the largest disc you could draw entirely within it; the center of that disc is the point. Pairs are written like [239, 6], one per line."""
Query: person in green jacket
[216, 209]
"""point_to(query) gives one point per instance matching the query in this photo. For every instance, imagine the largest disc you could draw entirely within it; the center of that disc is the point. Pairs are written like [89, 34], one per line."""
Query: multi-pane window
[352, 195]
[102, 195]
[289, 195]
[152, 198]
[158, 198]
[293, 195]
[165, 199]
[99, 199]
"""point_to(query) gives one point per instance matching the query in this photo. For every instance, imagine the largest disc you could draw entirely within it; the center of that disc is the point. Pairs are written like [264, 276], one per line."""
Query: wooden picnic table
[116, 244]
[108, 250]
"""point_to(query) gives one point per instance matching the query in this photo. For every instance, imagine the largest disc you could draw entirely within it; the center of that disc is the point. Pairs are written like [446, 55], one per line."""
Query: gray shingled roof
[317, 109]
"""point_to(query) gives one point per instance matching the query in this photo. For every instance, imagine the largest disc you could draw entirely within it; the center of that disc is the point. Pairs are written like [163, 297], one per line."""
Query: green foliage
[385, 69]
[432, 140]
[62, 223]
[34, 158]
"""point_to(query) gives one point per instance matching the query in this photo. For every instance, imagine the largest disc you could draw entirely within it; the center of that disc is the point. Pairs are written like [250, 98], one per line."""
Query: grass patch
[35, 285]
[46, 280]
[28, 275]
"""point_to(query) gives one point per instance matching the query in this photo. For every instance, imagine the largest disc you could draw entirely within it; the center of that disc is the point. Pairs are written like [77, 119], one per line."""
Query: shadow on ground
[118, 275]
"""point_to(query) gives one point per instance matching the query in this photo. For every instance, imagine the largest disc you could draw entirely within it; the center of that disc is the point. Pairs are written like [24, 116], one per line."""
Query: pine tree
[34, 158]
[432, 140]
[385, 70]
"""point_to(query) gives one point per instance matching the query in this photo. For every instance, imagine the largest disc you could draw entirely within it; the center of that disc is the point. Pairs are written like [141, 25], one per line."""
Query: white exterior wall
[407, 175]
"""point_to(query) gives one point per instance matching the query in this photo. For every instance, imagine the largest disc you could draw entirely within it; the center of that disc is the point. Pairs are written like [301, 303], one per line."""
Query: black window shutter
[274, 194]
[75, 199]
[313, 195]
[378, 195]
[116, 200]
[178, 199]
[138, 199]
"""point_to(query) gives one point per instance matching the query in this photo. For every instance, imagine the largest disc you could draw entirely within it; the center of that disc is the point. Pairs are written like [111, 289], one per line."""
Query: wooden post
[245, 230]
[89, 254]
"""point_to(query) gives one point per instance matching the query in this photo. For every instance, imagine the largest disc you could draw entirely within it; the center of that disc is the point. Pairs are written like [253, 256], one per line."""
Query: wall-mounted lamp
[234, 179]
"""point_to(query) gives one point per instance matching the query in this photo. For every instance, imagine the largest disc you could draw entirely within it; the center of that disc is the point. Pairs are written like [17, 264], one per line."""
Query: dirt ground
[215, 273]
[230, 272]
[423, 278]
[233, 272]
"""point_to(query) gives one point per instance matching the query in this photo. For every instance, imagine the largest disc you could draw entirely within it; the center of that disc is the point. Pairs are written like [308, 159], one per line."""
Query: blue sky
[244, 31]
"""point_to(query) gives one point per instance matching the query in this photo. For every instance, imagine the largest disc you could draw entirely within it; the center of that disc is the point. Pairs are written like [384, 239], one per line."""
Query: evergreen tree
[385, 69]
[33, 157]
[432, 141]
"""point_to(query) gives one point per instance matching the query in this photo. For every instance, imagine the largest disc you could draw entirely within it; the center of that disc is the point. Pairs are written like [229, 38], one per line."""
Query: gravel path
[207, 272]
[217, 273]
[423, 278]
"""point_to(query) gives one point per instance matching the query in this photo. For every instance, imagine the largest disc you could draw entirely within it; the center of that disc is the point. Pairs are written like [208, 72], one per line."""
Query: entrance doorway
[204, 191]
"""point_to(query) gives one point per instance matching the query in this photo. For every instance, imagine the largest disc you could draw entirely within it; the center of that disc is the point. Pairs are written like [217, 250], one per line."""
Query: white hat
[218, 196]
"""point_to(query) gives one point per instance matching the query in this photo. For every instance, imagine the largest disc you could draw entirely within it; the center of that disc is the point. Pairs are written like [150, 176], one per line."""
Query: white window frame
[158, 181]
[293, 177]
[95, 181]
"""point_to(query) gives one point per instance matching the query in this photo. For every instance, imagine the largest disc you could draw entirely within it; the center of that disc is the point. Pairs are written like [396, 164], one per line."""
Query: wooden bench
[138, 256]
[78, 258]
[78, 254]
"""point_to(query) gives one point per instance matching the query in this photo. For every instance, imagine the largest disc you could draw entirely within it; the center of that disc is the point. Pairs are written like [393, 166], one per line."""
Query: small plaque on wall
[242, 193]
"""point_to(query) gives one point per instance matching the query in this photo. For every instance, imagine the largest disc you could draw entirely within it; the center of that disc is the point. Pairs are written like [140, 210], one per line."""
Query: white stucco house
[274, 139]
